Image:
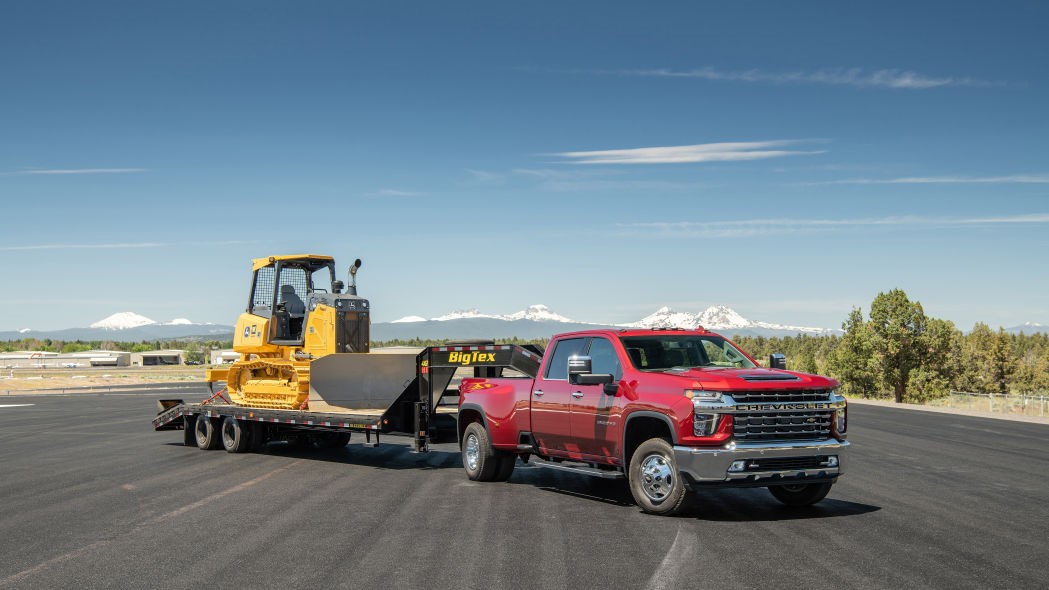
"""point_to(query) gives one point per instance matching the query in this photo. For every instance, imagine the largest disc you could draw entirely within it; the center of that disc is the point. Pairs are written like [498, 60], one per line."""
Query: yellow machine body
[278, 341]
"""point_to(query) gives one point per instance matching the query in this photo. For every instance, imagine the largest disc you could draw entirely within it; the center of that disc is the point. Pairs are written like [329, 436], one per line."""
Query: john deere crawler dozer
[299, 321]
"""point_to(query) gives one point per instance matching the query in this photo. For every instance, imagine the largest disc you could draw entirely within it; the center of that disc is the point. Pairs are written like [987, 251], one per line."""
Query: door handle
[538, 393]
[577, 394]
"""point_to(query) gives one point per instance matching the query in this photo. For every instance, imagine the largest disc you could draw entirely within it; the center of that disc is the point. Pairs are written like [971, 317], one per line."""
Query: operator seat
[291, 300]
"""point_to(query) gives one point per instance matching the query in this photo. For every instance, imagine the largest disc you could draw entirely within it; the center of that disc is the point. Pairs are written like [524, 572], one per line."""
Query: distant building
[158, 357]
[38, 359]
[219, 357]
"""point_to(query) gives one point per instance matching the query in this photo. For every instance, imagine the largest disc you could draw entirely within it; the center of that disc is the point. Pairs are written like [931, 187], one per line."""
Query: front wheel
[481, 461]
[655, 483]
[805, 494]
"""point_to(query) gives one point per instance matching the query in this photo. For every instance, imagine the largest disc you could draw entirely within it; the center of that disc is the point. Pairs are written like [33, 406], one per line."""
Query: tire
[655, 482]
[805, 494]
[481, 461]
[507, 462]
[189, 434]
[236, 435]
[208, 436]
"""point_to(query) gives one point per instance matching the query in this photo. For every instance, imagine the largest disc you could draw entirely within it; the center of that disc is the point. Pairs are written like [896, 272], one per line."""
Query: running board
[576, 468]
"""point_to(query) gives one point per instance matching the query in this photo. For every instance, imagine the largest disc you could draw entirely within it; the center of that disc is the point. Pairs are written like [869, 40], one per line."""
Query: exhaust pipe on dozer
[353, 276]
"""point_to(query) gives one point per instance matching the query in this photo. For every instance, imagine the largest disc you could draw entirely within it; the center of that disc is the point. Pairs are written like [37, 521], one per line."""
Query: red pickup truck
[672, 411]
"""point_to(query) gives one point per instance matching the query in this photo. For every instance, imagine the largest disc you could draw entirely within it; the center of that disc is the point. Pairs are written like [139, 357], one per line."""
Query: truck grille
[780, 396]
[813, 425]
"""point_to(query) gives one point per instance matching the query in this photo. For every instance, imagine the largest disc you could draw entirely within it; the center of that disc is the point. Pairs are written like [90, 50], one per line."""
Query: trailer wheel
[236, 435]
[655, 482]
[208, 436]
[805, 494]
[189, 430]
[481, 461]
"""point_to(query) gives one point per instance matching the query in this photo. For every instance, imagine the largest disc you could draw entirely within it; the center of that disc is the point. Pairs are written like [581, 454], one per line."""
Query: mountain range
[534, 322]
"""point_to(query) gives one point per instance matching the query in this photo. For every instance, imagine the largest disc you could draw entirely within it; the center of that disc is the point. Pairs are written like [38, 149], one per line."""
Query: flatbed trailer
[391, 401]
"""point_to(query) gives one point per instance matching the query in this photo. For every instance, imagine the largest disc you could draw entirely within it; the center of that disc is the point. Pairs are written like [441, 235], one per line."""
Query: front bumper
[788, 462]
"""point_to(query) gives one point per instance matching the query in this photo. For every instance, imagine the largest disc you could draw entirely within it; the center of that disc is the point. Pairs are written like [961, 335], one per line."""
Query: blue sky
[789, 160]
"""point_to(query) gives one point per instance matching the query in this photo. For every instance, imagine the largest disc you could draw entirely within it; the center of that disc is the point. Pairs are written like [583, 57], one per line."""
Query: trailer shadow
[384, 456]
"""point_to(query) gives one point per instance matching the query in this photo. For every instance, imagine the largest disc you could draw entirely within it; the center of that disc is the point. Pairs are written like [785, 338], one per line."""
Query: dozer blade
[364, 381]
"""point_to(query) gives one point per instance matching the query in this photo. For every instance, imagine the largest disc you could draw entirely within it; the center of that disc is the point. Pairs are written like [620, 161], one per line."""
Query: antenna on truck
[353, 276]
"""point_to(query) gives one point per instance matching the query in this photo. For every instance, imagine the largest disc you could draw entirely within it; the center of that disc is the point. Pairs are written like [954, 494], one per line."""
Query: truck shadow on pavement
[715, 505]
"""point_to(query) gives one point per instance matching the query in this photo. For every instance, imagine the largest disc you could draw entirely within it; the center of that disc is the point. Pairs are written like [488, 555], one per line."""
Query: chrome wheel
[657, 477]
[472, 451]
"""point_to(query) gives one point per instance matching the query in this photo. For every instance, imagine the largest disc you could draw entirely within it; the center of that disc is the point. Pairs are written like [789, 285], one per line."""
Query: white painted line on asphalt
[15, 405]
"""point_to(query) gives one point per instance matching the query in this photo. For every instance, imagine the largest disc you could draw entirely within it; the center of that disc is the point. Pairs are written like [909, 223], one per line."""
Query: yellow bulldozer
[297, 316]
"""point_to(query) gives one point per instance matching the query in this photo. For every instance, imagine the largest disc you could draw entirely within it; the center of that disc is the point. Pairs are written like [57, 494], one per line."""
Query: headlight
[704, 424]
[702, 395]
[841, 420]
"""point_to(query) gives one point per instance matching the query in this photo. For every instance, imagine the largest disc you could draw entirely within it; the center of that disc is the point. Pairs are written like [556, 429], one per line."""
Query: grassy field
[28, 380]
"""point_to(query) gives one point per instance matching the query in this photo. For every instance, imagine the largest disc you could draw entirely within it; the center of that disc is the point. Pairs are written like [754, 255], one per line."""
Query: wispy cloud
[704, 152]
[484, 178]
[66, 171]
[389, 192]
[893, 78]
[1011, 179]
[857, 77]
[761, 227]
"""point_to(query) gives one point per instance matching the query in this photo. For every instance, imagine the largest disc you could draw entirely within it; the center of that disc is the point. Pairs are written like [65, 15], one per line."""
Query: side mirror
[777, 361]
[580, 372]
[579, 365]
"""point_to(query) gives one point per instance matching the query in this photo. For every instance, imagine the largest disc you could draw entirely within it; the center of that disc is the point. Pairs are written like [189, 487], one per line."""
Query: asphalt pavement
[92, 497]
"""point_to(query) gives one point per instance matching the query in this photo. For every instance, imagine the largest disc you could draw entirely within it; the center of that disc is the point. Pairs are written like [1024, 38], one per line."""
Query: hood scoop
[769, 376]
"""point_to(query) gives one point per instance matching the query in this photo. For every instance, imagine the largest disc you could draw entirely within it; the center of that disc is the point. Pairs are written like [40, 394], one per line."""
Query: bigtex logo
[470, 357]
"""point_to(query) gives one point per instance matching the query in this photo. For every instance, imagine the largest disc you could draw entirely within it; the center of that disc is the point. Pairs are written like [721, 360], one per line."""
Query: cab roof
[314, 261]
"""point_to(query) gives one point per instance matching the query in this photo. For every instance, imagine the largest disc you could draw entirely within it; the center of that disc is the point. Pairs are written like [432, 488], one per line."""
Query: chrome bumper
[706, 465]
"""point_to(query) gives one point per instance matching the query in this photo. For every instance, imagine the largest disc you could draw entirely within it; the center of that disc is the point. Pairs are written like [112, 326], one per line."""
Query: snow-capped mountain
[464, 314]
[122, 321]
[539, 321]
[128, 326]
[535, 313]
[538, 313]
[715, 317]
[1028, 328]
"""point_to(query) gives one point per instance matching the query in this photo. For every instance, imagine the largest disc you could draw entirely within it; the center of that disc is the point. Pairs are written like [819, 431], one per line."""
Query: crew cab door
[595, 420]
[552, 399]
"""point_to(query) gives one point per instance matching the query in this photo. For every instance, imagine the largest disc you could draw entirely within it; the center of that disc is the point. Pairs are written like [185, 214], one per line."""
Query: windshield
[660, 353]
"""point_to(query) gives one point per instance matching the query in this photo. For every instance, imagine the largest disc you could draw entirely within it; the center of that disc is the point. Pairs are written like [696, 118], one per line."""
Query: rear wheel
[805, 494]
[654, 479]
[481, 461]
[208, 436]
[236, 435]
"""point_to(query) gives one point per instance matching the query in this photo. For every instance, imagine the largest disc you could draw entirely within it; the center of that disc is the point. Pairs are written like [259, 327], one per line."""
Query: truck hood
[721, 378]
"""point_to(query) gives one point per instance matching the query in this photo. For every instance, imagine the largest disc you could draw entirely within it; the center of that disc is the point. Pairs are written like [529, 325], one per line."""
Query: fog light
[832, 461]
[738, 466]
[704, 424]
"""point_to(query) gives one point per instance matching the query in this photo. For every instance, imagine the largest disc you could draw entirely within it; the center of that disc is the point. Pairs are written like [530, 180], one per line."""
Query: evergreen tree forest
[899, 352]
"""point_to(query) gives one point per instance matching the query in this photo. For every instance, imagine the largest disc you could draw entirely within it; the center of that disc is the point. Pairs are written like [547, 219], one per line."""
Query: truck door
[595, 422]
[552, 399]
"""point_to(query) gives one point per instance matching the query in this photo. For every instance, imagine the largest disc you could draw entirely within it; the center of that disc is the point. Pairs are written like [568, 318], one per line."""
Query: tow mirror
[580, 372]
[777, 361]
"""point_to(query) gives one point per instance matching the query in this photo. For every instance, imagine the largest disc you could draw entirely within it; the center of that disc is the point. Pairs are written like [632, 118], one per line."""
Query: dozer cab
[296, 315]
